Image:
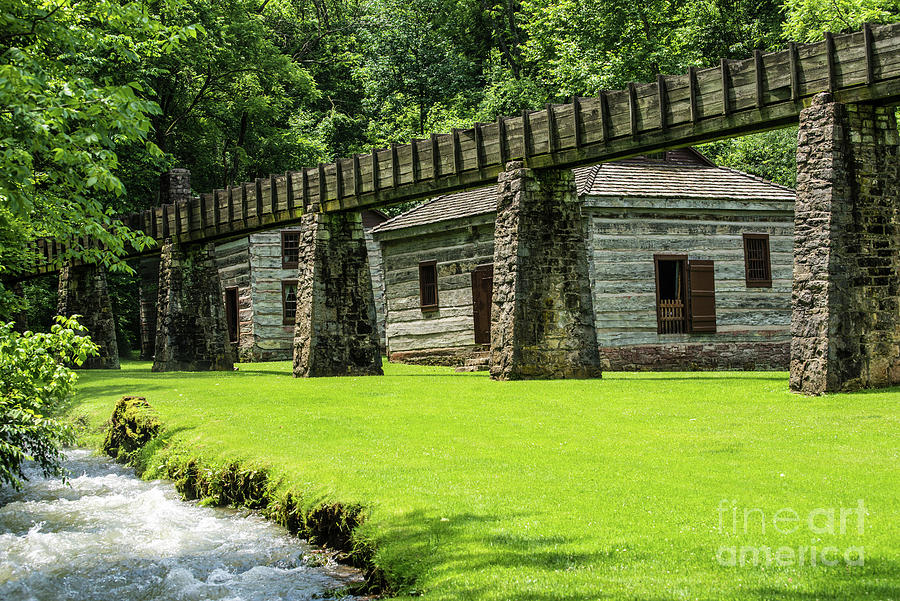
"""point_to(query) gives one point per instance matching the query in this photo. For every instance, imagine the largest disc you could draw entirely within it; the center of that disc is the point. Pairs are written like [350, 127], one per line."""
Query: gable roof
[684, 173]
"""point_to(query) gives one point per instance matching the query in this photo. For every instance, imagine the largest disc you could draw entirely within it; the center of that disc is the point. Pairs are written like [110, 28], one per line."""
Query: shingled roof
[683, 174]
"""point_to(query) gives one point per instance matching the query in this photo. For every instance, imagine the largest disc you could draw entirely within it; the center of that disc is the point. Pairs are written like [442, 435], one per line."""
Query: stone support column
[845, 324]
[191, 333]
[148, 274]
[82, 291]
[336, 332]
[542, 319]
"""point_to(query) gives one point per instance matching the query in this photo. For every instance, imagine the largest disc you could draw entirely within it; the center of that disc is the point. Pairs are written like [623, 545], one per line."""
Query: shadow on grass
[465, 549]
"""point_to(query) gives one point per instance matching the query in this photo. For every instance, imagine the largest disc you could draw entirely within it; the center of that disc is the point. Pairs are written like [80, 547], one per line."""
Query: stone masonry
[845, 312]
[191, 333]
[335, 333]
[542, 320]
[82, 291]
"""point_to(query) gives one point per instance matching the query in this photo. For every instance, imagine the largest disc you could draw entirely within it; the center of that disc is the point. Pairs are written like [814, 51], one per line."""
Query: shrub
[36, 381]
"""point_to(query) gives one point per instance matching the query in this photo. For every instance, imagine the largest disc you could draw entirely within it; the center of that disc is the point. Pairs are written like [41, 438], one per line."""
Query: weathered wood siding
[233, 262]
[458, 247]
[253, 264]
[625, 233]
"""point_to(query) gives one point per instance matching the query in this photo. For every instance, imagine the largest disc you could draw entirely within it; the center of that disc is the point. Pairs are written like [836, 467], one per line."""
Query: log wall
[624, 234]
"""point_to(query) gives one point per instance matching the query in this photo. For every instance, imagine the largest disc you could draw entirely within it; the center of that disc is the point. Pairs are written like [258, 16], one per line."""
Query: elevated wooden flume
[737, 97]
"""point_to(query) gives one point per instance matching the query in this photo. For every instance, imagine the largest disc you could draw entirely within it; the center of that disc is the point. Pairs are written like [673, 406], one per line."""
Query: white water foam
[110, 536]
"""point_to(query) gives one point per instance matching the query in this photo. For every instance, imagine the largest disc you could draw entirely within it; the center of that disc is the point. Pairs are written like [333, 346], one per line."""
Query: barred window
[289, 301]
[428, 291]
[757, 264]
[290, 250]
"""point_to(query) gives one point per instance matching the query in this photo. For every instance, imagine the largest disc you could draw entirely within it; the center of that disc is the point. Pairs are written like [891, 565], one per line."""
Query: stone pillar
[82, 291]
[175, 185]
[845, 325]
[542, 320]
[336, 332]
[191, 333]
[148, 274]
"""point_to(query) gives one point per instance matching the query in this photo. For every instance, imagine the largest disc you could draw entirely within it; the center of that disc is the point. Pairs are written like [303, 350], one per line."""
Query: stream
[109, 536]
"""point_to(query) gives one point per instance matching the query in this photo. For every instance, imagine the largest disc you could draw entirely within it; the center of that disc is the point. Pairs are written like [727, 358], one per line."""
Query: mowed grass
[620, 488]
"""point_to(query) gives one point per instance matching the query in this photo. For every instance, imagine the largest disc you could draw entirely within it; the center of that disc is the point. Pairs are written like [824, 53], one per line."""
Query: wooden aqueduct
[846, 310]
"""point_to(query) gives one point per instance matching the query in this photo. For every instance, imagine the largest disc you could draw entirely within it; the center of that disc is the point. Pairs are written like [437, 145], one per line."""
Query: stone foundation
[148, 274]
[713, 356]
[82, 291]
[542, 321]
[336, 332]
[845, 311]
[447, 357]
[191, 333]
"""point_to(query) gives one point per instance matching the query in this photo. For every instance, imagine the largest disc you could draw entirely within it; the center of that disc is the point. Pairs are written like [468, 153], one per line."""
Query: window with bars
[290, 250]
[289, 301]
[757, 264]
[428, 290]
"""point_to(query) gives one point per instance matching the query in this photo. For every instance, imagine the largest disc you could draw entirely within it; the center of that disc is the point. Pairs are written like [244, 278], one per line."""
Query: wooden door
[482, 299]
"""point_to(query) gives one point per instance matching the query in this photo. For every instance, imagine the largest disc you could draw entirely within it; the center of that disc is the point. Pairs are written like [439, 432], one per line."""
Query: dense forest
[98, 97]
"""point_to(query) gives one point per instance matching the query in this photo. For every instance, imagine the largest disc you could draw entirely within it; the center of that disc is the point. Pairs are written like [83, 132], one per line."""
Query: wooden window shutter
[702, 294]
[428, 288]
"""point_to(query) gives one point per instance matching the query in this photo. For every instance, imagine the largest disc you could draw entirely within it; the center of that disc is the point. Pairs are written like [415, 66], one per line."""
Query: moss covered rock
[133, 424]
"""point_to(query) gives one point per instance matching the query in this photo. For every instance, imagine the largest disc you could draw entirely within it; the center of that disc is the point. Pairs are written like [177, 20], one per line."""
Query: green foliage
[808, 20]
[35, 383]
[771, 155]
[63, 118]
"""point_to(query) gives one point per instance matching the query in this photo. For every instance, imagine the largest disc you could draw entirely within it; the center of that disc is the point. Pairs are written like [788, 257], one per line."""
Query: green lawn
[620, 488]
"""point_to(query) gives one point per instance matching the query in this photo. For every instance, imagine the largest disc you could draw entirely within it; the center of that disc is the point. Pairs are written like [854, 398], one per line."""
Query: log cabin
[690, 267]
[259, 278]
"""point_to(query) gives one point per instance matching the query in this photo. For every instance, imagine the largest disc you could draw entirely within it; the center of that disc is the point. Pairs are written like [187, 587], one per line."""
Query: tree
[35, 383]
[808, 20]
[62, 120]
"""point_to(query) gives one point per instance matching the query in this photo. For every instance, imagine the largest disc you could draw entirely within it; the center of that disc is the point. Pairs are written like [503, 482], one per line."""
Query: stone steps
[480, 362]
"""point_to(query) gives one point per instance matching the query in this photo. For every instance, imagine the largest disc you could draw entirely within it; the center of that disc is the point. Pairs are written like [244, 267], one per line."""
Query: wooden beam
[692, 85]
[604, 117]
[552, 129]
[504, 147]
[479, 147]
[395, 165]
[829, 56]
[526, 133]
[273, 193]
[376, 172]
[663, 100]
[633, 109]
[578, 121]
[457, 151]
[869, 42]
[289, 191]
[795, 71]
[759, 73]
[435, 157]
[726, 86]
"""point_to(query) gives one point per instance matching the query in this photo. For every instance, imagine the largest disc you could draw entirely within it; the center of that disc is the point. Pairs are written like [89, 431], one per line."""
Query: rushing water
[110, 536]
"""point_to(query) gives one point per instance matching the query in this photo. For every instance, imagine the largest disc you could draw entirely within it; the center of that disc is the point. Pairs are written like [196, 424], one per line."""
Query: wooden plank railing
[763, 92]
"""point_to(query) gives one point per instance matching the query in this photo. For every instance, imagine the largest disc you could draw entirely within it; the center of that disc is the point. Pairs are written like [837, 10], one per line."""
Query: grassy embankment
[622, 488]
